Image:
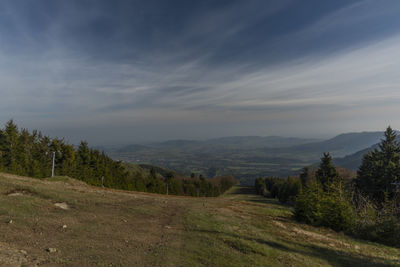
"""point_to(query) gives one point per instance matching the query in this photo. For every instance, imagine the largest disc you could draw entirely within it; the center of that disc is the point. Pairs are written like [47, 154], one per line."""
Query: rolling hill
[342, 144]
[353, 161]
[247, 157]
[65, 222]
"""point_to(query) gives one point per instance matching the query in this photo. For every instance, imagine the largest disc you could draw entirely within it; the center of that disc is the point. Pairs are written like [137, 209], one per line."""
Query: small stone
[15, 194]
[23, 252]
[168, 227]
[10, 221]
[51, 250]
[64, 226]
[62, 205]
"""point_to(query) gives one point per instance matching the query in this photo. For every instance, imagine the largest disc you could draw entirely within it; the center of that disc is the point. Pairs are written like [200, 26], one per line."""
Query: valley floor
[91, 226]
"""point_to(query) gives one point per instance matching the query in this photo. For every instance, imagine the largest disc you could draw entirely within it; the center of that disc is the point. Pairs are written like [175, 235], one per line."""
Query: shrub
[377, 222]
[384, 230]
[289, 190]
[308, 207]
[320, 208]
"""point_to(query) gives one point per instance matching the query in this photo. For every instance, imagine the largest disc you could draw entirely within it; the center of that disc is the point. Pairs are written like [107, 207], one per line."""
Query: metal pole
[52, 166]
[167, 189]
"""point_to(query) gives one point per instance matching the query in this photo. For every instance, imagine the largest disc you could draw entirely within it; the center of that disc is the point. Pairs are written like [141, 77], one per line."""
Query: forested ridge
[366, 204]
[30, 154]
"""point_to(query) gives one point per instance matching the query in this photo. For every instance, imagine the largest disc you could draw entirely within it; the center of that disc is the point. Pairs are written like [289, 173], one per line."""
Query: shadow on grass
[330, 255]
[253, 197]
[245, 190]
[270, 201]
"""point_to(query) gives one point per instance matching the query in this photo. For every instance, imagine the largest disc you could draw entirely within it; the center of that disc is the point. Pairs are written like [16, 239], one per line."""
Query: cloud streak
[85, 68]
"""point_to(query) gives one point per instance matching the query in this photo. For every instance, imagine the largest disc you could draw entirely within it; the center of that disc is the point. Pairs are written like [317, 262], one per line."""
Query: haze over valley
[247, 157]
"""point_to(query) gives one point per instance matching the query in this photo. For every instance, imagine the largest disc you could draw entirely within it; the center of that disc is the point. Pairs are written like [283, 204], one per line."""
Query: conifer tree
[305, 176]
[327, 174]
[153, 173]
[30, 154]
[9, 146]
[380, 169]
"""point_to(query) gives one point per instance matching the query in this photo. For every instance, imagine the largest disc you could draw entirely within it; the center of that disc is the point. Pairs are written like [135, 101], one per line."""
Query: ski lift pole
[52, 165]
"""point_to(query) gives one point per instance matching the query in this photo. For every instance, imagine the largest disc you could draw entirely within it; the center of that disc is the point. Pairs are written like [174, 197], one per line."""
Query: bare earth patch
[19, 192]
[11, 257]
[105, 227]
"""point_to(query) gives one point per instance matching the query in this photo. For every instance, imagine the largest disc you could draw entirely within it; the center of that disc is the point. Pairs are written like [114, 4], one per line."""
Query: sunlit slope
[101, 227]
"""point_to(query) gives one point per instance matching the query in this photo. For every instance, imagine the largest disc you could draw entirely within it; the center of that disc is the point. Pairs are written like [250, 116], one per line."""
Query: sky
[126, 71]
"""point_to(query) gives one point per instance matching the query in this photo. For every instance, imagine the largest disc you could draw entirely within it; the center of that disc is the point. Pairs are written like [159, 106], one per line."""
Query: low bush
[320, 208]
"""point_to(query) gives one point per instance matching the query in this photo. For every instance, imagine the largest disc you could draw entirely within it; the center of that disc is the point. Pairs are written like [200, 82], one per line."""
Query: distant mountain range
[248, 157]
[353, 161]
[344, 144]
[241, 142]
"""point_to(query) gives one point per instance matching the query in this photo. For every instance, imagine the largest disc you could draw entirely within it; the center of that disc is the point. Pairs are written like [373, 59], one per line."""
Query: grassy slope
[116, 228]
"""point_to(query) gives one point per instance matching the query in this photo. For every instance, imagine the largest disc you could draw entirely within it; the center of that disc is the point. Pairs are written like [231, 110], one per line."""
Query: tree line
[31, 153]
[366, 204]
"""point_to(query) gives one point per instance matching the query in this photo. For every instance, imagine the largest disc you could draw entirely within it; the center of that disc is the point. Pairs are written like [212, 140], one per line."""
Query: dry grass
[104, 227]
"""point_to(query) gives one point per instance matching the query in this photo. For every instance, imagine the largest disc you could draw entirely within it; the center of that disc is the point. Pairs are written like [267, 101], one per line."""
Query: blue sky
[115, 72]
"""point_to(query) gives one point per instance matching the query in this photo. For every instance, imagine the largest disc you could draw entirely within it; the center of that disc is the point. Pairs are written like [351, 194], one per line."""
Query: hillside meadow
[65, 222]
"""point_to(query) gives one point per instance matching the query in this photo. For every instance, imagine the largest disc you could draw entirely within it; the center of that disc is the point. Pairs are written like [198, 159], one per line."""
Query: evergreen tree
[30, 154]
[380, 169]
[153, 173]
[9, 147]
[83, 160]
[327, 174]
[67, 160]
[169, 176]
[305, 176]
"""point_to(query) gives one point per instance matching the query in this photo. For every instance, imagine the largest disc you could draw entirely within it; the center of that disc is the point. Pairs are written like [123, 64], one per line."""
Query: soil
[104, 227]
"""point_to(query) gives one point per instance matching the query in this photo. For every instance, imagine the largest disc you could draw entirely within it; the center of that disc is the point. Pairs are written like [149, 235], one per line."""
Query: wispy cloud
[133, 66]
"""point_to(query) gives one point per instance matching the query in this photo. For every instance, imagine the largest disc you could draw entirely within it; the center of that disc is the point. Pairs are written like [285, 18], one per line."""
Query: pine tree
[327, 174]
[305, 176]
[153, 173]
[9, 146]
[25, 153]
[380, 168]
[68, 160]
